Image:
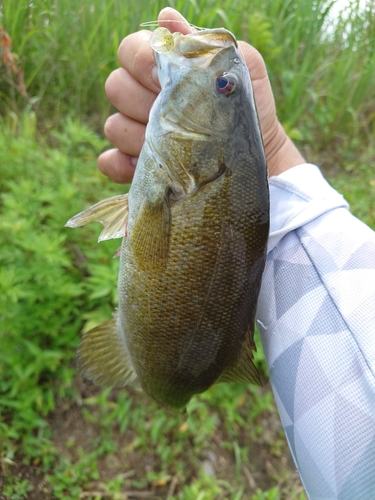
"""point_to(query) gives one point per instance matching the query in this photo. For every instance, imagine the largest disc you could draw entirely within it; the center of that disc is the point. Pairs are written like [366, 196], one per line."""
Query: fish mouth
[204, 42]
[194, 50]
[194, 45]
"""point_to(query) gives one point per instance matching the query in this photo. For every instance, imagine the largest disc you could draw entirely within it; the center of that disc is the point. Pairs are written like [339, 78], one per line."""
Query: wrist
[281, 153]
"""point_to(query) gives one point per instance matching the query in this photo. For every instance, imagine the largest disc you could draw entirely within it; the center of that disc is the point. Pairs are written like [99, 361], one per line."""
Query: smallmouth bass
[194, 226]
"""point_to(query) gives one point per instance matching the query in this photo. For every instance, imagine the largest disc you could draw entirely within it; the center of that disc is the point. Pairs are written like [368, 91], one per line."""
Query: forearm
[317, 321]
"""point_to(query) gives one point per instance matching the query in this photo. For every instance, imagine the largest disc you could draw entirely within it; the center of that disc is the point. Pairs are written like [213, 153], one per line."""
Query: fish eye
[225, 84]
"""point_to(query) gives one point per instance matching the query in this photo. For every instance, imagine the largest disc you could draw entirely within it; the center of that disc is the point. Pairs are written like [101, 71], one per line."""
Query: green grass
[60, 437]
[324, 85]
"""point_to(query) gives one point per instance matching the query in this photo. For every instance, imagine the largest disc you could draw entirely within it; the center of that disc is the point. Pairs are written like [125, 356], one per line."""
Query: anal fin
[244, 370]
[102, 358]
[111, 212]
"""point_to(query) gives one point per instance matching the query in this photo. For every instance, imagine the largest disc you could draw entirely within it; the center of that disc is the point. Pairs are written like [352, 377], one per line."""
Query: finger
[137, 57]
[117, 166]
[174, 21]
[128, 95]
[126, 134]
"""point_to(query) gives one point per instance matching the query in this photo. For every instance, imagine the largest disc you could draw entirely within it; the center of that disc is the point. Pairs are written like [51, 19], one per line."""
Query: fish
[195, 227]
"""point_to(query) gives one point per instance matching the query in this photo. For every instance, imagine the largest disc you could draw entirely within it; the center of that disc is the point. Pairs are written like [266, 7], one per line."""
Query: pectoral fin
[102, 358]
[150, 234]
[244, 370]
[112, 213]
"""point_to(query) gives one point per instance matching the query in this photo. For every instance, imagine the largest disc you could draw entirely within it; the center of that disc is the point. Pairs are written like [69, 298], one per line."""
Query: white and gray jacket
[316, 317]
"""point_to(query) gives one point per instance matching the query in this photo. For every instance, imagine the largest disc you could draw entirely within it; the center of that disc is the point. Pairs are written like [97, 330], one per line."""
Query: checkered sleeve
[316, 317]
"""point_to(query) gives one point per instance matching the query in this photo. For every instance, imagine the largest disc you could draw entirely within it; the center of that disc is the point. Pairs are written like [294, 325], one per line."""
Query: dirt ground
[269, 462]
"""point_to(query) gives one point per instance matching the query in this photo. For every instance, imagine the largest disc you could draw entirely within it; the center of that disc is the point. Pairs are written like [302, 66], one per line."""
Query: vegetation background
[60, 437]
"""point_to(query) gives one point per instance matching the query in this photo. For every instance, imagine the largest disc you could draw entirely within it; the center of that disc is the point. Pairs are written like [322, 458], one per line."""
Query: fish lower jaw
[170, 126]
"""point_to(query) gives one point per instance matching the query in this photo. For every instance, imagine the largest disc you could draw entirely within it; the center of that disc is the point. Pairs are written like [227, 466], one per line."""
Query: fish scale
[197, 220]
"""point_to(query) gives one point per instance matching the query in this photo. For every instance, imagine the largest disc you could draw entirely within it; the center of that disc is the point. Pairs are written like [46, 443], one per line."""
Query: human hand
[133, 88]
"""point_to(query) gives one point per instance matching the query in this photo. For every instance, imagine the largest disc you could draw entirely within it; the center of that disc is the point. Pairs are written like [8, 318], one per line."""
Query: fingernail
[134, 160]
[154, 76]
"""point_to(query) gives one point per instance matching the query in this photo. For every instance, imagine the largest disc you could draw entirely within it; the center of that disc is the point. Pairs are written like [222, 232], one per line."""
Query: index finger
[136, 55]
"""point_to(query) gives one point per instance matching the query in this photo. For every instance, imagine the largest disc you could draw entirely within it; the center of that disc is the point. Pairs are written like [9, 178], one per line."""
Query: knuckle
[112, 84]
[110, 127]
[103, 163]
[143, 59]
[134, 50]
[139, 61]
[122, 48]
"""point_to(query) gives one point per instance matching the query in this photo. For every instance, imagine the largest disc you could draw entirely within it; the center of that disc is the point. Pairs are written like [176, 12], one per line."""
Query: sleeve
[316, 318]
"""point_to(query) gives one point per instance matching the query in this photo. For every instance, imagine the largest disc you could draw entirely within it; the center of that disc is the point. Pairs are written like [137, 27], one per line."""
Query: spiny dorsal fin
[150, 234]
[111, 212]
[244, 370]
[102, 358]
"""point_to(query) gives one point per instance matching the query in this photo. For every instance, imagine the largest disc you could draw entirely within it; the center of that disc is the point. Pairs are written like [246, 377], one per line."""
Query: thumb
[253, 60]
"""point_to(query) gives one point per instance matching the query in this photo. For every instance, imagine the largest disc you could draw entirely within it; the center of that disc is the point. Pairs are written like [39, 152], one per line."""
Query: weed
[17, 489]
